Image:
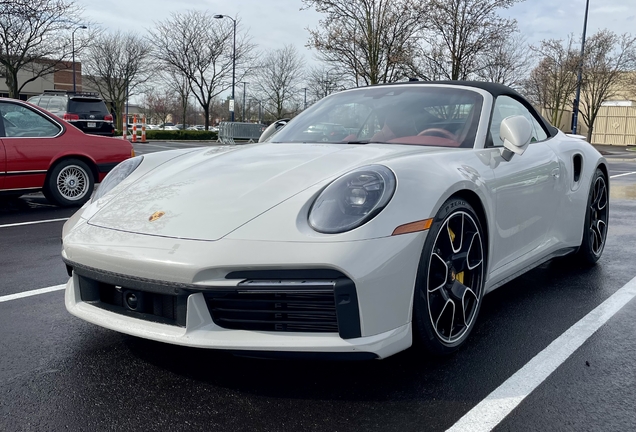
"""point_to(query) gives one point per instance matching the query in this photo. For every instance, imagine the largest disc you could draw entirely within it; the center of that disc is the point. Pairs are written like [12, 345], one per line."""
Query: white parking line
[497, 405]
[158, 145]
[31, 293]
[624, 174]
[192, 144]
[32, 222]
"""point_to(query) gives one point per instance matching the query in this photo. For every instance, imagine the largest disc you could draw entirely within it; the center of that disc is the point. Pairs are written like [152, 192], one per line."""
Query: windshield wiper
[358, 142]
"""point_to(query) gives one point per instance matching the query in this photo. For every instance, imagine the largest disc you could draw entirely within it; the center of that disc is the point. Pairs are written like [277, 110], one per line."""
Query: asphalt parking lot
[58, 372]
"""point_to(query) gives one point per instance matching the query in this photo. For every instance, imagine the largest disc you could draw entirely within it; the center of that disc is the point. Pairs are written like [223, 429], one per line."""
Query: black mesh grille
[295, 311]
[162, 308]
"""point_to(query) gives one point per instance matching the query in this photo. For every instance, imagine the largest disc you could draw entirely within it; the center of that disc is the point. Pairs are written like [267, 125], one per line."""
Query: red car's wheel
[69, 183]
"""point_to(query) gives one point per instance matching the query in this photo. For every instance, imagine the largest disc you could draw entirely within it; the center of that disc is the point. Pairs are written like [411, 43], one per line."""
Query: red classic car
[39, 151]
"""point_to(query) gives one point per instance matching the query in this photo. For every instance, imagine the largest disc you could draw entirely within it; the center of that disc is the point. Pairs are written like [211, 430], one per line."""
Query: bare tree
[507, 61]
[200, 47]
[552, 82]
[117, 65]
[35, 37]
[278, 82]
[607, 59]
[458, 33]
[321, 81]
[180, 85]
[373, 40]
[160, 104]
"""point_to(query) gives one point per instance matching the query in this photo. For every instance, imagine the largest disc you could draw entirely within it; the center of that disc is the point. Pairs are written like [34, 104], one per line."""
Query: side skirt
[556, 254]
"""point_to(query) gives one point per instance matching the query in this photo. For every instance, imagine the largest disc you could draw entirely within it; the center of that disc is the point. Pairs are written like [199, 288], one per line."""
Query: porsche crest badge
[156, 215]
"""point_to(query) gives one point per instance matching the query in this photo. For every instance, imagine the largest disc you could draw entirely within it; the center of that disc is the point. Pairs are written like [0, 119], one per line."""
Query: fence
[230, 131]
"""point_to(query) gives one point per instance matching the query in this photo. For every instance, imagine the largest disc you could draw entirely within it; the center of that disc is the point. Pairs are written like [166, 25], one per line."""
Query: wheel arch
[603, 167]
[476, 203]
[87, 160]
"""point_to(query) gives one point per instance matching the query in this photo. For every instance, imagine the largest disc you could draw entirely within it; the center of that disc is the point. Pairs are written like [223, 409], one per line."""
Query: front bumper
[201, 331]
[383, 271]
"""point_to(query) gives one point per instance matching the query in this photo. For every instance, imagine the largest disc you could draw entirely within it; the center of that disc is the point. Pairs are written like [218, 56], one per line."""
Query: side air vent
[577, 162]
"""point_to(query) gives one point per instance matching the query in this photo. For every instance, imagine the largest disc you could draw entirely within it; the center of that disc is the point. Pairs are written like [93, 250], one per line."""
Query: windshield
[416, 115]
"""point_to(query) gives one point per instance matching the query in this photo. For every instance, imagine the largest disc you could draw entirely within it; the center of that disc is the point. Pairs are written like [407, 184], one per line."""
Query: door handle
[556, 173]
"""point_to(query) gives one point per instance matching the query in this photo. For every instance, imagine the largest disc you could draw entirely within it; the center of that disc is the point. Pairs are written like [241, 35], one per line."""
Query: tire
[446, 256]
[69, 183]
[596, 221]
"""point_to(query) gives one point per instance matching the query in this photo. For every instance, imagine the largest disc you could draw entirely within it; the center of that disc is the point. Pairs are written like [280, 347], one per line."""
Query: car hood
[207, 194]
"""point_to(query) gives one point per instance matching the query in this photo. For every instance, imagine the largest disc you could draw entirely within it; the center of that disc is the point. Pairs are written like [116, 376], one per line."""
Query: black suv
[85, 111]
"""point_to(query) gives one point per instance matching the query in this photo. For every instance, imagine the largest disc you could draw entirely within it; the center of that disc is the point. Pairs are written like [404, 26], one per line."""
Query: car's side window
[56, 104]
[20, 121]
[506, 106]
[43, 102]
[538, 130]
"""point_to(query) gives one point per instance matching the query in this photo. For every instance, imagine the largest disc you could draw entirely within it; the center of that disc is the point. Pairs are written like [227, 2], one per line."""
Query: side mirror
[273, 129]
[516, 133]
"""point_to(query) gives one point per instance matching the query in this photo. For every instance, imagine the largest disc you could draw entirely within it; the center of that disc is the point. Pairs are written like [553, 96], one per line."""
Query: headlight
[116, 176]
[352, 200]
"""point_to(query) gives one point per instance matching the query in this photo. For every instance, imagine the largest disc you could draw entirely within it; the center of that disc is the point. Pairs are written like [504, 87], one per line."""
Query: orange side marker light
[411, 227]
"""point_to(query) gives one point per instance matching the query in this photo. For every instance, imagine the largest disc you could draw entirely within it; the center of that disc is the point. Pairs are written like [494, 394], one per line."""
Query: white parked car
[359, 245]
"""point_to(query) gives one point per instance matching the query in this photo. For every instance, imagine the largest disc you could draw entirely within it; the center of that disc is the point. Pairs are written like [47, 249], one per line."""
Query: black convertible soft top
[495, 90]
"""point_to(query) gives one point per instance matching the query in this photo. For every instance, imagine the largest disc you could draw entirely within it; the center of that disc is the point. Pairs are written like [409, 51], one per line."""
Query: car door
[526, 191]
[3, 167]
[28, 140]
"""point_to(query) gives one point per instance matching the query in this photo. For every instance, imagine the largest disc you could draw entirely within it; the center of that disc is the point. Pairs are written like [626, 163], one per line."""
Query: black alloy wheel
[450, 282]
[596, 220]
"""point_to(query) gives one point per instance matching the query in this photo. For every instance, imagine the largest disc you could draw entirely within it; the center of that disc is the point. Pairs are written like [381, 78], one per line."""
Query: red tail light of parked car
[70, 117]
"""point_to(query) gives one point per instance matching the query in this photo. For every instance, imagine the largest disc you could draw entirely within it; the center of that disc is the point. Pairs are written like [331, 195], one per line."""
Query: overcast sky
[273, 23]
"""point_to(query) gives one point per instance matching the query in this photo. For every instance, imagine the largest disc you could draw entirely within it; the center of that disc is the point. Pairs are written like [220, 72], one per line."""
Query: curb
[611, 159]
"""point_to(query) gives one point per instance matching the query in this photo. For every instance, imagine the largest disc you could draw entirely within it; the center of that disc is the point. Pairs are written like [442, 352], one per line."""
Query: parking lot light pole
[305, 88]
[577, 98]
[73, 52]
[219, 16]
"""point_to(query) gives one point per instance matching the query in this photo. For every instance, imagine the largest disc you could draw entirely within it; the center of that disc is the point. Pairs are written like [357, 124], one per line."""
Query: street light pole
[73, 52]
[577, 98]
[219, 16]
[305, 88]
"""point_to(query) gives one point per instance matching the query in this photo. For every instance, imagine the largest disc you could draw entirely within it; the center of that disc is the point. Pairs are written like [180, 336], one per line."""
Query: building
[61, 79]
[615, 123]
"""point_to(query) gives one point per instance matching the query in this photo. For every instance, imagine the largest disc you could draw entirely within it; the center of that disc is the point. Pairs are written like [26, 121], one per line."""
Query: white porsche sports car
[376, 219]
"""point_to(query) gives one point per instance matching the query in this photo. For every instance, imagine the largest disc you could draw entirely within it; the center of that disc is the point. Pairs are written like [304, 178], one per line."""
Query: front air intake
[285, 306]
[289, 305]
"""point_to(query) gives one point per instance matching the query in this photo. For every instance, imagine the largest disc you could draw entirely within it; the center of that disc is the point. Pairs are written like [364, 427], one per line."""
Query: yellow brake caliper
[459, 276]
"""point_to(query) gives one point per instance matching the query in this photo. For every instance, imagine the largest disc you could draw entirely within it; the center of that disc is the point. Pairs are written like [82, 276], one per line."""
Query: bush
[181, 135]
